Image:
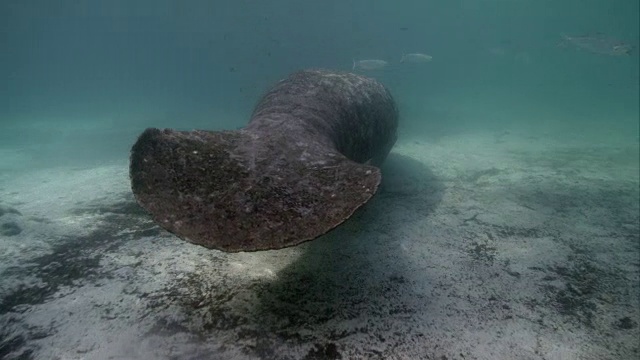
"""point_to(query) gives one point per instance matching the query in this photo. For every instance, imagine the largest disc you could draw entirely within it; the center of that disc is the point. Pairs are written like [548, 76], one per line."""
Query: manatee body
[305, 162]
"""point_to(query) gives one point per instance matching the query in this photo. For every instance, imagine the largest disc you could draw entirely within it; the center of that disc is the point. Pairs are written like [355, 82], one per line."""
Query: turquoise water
[95, 73]
[506, 225]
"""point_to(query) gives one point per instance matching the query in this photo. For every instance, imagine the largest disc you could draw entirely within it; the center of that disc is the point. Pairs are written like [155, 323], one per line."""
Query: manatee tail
[225, 190]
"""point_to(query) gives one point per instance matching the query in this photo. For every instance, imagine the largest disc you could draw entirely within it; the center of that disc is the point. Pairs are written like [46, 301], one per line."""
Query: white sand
[479, 246]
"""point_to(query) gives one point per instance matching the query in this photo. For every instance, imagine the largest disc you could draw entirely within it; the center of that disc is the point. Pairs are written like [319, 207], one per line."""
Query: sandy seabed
[477, 246]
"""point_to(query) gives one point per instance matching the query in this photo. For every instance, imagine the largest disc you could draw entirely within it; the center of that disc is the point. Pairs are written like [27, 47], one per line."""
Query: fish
[372, 64]
[308, 158]
[597, 43]
[415, 58]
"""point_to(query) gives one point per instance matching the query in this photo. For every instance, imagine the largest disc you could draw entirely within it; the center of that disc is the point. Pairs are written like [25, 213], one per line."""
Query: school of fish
[375, 64]
[597, 43]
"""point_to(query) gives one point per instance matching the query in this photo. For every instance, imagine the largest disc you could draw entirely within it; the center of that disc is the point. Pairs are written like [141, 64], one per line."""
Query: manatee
[307, 159]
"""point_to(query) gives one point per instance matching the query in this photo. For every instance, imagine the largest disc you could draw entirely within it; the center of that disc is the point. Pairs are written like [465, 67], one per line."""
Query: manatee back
[357, 113]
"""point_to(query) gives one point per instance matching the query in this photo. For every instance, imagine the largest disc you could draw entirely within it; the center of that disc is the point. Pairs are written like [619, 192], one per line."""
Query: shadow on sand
[348, 282]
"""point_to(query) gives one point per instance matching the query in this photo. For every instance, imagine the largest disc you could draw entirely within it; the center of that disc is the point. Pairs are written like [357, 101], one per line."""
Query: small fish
[368, 64]
[597, 44]
[415, 58]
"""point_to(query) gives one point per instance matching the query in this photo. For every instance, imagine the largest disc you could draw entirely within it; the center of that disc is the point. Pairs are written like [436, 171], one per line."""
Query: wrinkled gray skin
[304, 163]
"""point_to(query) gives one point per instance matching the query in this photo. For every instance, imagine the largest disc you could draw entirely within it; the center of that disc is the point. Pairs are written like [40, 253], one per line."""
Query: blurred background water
[81, 79]
[527, 249]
